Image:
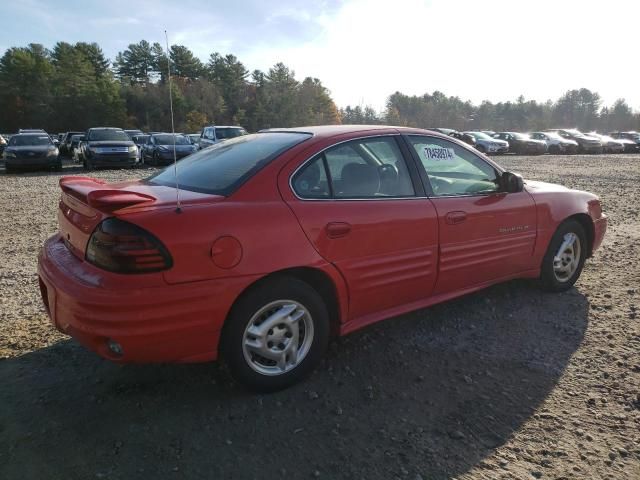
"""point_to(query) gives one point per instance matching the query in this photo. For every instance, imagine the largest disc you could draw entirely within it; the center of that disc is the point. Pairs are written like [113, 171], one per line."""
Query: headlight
[52, 153]
[133, 149]
[9, 155]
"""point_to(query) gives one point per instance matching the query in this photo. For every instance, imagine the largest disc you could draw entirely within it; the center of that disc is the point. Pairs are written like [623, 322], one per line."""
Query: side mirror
[512, 182]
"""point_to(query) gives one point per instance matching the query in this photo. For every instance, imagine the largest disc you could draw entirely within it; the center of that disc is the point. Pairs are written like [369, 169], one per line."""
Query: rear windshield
[28, 140]
[108, 135]
[223, 167]
[222, 133]
[168, 140]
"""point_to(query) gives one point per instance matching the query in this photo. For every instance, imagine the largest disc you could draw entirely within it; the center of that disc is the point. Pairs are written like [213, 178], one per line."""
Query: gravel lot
[506, 383]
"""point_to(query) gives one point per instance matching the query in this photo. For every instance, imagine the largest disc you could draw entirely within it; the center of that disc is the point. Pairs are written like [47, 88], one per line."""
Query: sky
[365, 50]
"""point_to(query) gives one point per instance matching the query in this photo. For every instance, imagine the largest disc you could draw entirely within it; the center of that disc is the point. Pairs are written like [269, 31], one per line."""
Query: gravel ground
[509, 382]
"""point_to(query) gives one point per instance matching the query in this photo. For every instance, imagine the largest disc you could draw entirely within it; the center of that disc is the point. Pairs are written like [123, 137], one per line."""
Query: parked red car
[286, 237]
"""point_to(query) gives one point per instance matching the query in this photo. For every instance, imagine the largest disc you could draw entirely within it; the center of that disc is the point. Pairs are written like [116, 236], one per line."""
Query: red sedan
[275, 241]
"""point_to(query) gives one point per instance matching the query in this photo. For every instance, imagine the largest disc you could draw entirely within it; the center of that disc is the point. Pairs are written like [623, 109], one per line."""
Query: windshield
[108, 135]
[140, 138]
[222, 133]
[553, 135]
[29, 140]
[168, 140]
[223, 167]
[521, 136]
[76, 138]
[480, 135]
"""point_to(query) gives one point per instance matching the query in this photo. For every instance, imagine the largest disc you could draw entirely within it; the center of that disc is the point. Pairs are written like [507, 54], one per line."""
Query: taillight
[123, 247]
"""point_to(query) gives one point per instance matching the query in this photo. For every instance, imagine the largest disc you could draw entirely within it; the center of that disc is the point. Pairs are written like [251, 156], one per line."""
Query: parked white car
[555, 143]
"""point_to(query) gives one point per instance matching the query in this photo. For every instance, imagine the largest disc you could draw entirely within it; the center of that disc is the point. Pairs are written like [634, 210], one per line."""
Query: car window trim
[424, 176]
[418, 187]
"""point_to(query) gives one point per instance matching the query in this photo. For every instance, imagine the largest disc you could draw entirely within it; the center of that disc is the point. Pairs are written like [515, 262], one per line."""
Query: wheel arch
[316, 278]
[585, 221]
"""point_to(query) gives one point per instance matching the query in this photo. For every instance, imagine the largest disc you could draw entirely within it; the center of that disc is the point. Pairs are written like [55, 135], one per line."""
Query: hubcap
[567, 258]
[278, 337]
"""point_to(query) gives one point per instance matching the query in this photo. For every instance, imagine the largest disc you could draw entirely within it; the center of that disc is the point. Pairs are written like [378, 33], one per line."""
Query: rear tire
[481, 149]
[565, 257]
[284, 319]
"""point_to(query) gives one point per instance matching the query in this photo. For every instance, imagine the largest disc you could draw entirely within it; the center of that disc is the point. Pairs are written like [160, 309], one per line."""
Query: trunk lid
[86, 201]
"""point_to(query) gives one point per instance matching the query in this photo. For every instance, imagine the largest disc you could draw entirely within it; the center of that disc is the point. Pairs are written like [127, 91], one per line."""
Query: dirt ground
[506, 383]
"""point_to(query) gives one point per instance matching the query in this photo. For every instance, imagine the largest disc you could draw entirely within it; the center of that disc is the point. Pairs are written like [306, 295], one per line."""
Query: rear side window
[222, 168]
[364, 168]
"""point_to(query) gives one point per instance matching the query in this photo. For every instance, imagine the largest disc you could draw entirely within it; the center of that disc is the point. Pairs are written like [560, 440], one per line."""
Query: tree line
[74, 86]
[579, 108]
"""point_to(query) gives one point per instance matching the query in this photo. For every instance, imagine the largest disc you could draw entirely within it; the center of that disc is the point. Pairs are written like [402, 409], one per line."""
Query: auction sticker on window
[439, 153]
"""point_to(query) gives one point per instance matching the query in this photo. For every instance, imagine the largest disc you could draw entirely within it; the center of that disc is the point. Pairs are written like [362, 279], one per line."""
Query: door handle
[453, 218]
[337, 229]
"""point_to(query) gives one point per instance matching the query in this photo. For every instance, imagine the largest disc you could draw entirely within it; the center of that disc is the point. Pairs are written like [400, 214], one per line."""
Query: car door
[366, 213]
[485, 234]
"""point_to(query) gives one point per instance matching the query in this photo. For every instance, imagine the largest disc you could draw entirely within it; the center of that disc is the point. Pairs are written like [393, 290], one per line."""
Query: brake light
[122, 247]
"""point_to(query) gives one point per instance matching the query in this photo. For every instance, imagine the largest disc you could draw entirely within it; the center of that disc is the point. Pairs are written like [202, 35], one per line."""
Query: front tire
[275, 335]
[565, 257]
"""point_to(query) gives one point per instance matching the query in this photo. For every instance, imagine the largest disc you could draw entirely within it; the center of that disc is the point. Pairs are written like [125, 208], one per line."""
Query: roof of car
[331, 130]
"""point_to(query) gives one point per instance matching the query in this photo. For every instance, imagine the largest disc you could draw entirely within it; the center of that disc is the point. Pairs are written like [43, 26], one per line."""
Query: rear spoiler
[94, 193]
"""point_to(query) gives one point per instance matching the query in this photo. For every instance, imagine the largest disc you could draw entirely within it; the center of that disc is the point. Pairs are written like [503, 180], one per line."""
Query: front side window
[454, 170]
[364, 168]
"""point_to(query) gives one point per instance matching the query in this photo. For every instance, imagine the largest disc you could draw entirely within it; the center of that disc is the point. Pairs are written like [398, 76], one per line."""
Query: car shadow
[431, 393]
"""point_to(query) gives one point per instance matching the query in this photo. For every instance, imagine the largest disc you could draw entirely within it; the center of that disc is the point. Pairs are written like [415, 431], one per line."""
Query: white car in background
[216, 133]
[555, 143]
[609, 144]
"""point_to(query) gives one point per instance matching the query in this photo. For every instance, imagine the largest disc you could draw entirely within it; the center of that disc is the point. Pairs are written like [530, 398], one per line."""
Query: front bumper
[167, 157]
[599, 228]
[632, 148]
[39, 162]
[161, 323]
[589, 148]
[112, 160]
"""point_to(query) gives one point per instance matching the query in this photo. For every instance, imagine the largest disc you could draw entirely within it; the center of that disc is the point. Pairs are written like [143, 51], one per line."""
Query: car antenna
[173, 130]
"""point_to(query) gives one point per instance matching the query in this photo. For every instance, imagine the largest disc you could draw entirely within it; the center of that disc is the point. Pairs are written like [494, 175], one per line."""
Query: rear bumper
[166, 323]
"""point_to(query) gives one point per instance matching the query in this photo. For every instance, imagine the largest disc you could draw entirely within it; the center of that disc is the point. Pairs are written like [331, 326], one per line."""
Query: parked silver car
[486, 144]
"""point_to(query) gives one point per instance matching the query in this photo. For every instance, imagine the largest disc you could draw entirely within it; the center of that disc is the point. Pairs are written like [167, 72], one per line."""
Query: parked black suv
[108, 147]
